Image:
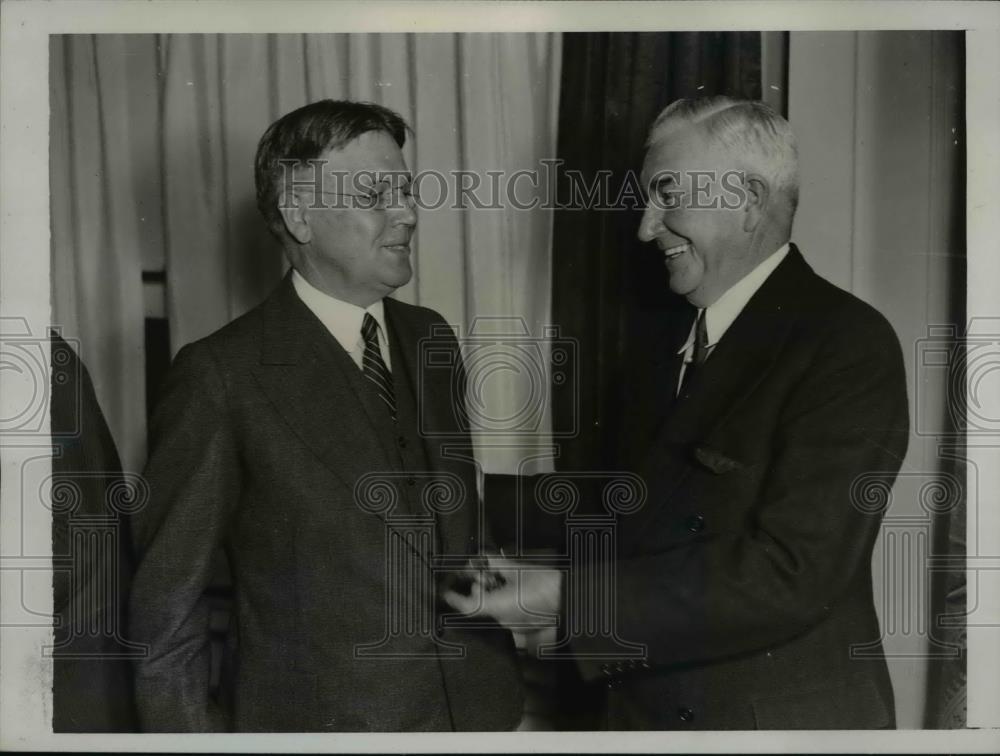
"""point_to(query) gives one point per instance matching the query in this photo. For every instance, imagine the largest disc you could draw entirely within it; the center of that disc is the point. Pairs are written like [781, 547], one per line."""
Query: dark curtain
[947, 677]
[606, 284]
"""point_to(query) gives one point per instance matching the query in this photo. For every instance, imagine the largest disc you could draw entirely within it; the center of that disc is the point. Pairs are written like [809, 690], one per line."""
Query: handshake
[522, 597]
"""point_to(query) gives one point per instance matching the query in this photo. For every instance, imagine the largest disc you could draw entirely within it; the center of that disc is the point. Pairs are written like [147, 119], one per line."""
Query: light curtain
[96, 227]
[153, 145]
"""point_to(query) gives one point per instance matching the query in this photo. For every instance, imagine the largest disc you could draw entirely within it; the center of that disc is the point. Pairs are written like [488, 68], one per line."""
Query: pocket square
[716, 461]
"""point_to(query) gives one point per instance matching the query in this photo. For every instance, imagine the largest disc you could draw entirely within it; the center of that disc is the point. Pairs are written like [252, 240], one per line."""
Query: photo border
[25, 673]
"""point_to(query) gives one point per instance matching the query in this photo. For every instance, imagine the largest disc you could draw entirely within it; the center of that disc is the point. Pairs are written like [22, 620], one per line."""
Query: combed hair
[307, 133]
[749, 129]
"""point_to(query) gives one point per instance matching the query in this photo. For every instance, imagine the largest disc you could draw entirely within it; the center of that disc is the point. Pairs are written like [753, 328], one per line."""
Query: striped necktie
[700, 352]
[373, 366]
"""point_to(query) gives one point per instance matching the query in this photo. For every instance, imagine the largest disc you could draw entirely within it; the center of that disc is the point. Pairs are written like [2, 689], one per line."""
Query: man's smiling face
[358, 251]
[702, 239]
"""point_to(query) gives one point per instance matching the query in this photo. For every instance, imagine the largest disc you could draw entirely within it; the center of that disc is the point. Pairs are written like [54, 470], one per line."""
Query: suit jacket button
[696, 523]
[686, 715]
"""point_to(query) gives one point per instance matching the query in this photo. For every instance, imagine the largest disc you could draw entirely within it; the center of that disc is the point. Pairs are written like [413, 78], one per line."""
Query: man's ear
[758, 193]
[293, 212]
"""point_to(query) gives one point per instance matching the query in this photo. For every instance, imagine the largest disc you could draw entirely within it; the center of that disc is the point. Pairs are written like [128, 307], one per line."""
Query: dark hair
[307, 133]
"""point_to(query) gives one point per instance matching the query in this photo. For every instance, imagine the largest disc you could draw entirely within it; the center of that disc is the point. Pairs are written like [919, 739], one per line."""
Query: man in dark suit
[91, 680]
[304, 442]
[768, 425]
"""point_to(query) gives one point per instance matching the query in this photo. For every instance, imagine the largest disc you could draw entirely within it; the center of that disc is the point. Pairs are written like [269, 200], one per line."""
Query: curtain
[881, 214]
[153, 139]
[608, 283]
[947, 677]
[96, 271]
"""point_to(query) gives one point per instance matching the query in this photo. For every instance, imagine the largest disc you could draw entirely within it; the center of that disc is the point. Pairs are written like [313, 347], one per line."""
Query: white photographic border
[25, 676]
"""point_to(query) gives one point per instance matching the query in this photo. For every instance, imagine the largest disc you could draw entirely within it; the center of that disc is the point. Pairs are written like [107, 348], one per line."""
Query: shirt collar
[720, 314]
[342, 319]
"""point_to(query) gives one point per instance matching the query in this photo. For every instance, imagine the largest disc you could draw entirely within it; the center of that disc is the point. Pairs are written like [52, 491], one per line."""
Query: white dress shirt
[720, 314]
[343, 319]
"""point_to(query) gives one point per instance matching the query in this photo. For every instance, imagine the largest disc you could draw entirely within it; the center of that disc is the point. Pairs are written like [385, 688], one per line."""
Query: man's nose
[651, 224]
[405, 212]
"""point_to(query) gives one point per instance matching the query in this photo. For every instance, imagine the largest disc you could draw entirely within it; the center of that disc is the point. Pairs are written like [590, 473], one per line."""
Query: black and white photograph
[543, 381]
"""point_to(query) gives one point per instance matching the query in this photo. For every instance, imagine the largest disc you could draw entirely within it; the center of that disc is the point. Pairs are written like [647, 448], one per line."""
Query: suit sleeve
[805, 543]
[194, 481]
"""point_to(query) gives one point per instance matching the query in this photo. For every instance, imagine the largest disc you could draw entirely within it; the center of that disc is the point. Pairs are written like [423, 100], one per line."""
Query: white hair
[749, 129]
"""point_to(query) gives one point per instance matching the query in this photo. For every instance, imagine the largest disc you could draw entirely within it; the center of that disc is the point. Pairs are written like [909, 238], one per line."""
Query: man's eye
[369, 199]
[668, 194]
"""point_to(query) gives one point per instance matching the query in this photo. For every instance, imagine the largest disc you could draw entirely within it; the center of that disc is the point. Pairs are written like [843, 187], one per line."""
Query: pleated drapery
[97, 227]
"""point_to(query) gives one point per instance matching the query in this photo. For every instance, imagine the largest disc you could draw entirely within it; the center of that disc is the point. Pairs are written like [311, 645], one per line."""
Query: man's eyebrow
[663, 177]
[387, 178]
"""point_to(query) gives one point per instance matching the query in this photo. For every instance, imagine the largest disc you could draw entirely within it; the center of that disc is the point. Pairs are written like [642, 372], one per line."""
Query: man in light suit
[761, 423]
[304, 442]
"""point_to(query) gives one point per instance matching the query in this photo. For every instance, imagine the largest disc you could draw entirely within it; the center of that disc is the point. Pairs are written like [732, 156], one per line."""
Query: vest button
[685, 715]
[696, 523]
[401, 441]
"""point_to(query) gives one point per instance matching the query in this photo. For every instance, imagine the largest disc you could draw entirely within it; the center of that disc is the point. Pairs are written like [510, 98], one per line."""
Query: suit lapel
[742, 359]
[310, 381]
[652, 371]
[668, 362]
[431, 408]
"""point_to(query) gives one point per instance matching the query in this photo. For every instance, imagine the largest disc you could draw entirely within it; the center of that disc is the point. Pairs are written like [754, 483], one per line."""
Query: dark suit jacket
[92, 680]
[262, 434]
[748, 573]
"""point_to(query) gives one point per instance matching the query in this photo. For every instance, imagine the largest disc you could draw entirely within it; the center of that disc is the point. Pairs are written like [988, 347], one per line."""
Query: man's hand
[527, 598]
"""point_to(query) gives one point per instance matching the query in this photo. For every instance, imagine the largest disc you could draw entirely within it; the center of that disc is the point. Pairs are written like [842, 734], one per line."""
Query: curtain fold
[153, 144]
[96, 228]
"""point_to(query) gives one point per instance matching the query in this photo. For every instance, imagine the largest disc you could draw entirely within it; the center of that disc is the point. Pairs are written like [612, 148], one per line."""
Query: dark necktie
[373, 366]
[700, 349]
